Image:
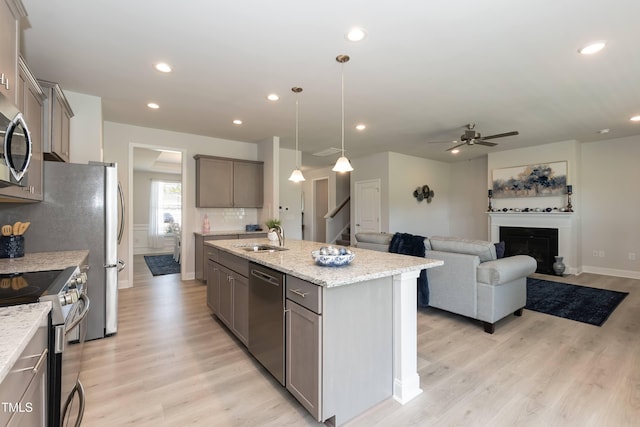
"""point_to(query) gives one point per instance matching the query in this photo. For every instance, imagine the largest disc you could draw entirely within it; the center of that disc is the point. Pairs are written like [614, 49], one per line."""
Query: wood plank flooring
[173, 364]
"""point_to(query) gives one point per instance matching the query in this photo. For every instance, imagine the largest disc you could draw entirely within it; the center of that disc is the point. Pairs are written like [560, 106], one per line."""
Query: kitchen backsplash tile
[223, 219]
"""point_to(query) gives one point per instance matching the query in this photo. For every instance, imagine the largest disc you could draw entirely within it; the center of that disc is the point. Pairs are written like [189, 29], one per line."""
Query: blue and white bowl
[332, 260]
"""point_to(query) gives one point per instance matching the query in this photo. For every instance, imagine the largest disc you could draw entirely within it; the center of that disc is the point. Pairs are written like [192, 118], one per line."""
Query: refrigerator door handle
[122, 213]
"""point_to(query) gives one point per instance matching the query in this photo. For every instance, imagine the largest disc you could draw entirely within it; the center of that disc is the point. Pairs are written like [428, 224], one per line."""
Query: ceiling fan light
[342, 165]
[592, 48]
[635, 118]
[296, 176]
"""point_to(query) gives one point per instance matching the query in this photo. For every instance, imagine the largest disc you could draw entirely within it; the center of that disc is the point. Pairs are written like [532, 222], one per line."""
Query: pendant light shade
[343, 164]
[296, 175]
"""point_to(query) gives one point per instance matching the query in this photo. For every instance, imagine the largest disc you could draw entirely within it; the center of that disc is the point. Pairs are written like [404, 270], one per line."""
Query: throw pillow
[499, 250]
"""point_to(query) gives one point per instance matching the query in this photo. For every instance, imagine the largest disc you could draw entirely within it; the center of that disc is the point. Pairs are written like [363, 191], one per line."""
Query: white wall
[468, 200]
[610, 206]
[85, 128]
[268, 150]
[119, 140]
[290, 200]
[406, 214]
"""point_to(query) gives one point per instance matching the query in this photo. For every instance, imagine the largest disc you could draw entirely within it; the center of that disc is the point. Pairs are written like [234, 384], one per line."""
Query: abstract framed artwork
[541, 179]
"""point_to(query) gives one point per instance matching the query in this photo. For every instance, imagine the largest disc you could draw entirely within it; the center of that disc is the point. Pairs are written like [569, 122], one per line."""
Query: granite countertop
[43, 261]
[18, 324]
[227, 232]
[297, 261]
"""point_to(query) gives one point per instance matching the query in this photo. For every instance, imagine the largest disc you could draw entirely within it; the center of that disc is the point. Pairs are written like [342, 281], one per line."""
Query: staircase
[345, 238]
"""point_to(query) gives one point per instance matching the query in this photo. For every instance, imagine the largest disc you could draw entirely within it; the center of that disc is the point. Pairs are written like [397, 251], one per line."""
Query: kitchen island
[364, 321]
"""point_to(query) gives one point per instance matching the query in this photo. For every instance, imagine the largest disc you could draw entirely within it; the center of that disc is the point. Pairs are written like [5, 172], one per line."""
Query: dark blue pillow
[499, 250]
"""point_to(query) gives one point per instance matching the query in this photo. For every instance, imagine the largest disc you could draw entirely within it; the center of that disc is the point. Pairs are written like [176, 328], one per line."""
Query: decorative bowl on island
[329, 256]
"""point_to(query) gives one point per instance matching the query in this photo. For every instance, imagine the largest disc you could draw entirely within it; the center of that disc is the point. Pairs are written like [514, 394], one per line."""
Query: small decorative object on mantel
[490, 197]
[423, 193]
[569, 193]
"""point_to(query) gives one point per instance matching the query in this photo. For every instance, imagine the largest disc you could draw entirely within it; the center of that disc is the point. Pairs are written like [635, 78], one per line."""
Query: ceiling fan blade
[485, 143]
[456, 146]
[501, 135]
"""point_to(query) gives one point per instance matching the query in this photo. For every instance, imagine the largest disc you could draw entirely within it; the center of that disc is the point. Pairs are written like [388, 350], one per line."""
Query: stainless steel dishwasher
[266, 318]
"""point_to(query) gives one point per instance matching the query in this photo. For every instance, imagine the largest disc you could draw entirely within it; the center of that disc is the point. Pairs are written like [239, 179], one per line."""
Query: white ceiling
[156, 160]
[425, 70]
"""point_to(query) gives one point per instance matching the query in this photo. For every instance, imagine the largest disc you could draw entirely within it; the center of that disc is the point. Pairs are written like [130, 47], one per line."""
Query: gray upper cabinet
[10, 13]
[30, 99]
[228, 183]
[57, 118]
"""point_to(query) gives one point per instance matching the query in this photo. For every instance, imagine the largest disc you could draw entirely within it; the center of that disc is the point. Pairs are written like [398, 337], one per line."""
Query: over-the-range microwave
[16, 145]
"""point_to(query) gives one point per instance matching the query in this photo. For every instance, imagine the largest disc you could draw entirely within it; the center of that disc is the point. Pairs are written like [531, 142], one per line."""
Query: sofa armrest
[505, 270]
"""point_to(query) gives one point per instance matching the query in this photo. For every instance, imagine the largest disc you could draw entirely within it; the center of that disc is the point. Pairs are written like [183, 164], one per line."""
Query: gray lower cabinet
[213, 286]
[203, 252]
[228, 294]
[23, 392]
[304, 347]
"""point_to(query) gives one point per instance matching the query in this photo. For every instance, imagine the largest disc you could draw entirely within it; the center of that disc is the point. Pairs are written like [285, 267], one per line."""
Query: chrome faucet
[280, 233]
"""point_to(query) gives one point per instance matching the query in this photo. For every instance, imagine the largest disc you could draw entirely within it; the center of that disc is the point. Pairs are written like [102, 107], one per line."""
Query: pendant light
[343, 164]
[296, 175]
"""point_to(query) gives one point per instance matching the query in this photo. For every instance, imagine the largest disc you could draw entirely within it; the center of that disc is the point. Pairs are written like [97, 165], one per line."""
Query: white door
[367, 209]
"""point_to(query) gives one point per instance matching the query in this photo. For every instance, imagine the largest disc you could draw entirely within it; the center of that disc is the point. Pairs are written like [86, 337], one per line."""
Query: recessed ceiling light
[273, 97]
[356, 34]
[635, 118]
[604, 131]
[361, 127]
[592, 48]
[163, 67]
[237, 122]
[153, 105]
[456, 151]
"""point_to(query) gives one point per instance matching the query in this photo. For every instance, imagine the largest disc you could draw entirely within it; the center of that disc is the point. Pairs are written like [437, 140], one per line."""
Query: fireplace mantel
[564, 221]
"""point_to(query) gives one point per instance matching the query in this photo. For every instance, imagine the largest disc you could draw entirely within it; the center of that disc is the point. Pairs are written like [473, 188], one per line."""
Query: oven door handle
[79, 319]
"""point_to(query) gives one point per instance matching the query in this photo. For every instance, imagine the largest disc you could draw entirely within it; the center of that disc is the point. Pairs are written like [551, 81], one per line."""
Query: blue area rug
[162, 264]
[579, 303]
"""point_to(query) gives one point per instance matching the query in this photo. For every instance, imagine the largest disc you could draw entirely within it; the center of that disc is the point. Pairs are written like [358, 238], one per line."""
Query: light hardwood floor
[173, 364]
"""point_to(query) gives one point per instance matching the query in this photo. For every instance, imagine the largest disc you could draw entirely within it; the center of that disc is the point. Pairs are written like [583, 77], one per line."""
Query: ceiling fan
[471, 137]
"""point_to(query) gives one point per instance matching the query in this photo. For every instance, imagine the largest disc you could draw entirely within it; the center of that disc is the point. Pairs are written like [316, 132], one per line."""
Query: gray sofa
[472, 282]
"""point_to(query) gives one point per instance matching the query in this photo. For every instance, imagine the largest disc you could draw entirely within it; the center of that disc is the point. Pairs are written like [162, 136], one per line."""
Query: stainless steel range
[67, 291]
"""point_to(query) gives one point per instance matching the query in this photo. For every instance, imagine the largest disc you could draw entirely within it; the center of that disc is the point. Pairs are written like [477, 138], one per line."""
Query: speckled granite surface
[43, 261]
[18, 324]
[226, 232]
[297, 261]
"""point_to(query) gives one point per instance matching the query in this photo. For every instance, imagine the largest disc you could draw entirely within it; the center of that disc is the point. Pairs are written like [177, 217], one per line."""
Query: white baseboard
[611, 272]
[123, 284]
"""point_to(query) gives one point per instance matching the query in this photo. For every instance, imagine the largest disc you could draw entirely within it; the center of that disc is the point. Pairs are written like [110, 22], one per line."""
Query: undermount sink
[262, 248]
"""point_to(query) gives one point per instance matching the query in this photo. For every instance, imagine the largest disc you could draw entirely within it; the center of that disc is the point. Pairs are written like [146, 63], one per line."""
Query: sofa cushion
[500, 247]
[486, 251]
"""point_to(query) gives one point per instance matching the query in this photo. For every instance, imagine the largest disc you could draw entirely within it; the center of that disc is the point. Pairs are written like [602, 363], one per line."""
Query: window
[165, 210]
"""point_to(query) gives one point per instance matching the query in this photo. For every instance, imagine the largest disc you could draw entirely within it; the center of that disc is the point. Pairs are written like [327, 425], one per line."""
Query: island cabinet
[339, 346]
[57, 118]
[228, 292]
[228, 183]
[30, 98]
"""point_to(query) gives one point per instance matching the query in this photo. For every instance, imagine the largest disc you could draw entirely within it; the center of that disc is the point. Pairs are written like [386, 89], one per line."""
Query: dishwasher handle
[265, 277]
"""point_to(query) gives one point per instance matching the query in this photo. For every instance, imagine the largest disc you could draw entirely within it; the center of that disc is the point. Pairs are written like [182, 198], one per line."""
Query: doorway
[320, 208]
[156, 209]
[367, 206]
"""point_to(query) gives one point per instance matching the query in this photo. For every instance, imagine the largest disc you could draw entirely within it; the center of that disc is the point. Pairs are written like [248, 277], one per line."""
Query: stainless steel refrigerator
[82, 209]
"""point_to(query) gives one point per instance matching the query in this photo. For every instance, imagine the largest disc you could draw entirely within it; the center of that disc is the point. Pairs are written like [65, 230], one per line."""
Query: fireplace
[539, 243]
